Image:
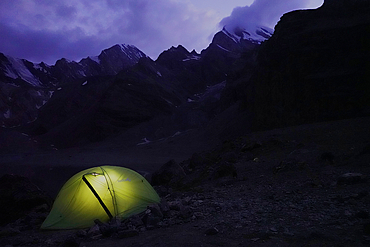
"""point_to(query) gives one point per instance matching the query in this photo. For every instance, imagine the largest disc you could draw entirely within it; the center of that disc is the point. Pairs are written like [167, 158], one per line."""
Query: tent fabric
[124, 192]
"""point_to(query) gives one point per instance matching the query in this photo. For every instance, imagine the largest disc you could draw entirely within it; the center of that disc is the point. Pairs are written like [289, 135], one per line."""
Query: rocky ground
[300, 186]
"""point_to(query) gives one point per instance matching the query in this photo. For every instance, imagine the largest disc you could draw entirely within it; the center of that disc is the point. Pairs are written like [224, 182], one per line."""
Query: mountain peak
[173, 54]
[253, 33]
[179, 48]
[129, 50]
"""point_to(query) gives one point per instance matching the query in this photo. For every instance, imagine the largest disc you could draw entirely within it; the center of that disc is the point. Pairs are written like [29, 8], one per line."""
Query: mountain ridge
[39, 81]
[233, 86]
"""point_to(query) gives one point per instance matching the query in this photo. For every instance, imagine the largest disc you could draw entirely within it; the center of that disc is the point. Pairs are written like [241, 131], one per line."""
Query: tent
[100, 193]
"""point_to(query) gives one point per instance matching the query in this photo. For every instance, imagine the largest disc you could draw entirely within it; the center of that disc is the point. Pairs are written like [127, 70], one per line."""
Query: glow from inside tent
[94, 174]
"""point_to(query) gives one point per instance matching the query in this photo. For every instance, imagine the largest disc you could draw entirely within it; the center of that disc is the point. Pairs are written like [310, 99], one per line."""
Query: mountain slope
[177, 92]
[315, 67]
[121, 88]
[26, 86]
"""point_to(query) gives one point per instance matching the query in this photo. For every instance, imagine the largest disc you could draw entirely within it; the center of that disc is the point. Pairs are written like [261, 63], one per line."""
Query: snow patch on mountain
[19, 70]
[213, 91]
[222, 48]
[7, 114]
[132, 51]
[10, 73]
[95, 59]
[253, 33]
[39, 67]
[144, 142]
[42, 104]
[191, 57]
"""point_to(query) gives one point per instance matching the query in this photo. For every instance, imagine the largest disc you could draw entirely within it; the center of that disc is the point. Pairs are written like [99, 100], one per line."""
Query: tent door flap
[97, 197]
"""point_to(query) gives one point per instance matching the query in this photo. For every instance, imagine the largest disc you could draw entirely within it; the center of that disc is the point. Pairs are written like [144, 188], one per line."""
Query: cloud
[41, 45]
[265, 12]
[48, 30]
[41, 30]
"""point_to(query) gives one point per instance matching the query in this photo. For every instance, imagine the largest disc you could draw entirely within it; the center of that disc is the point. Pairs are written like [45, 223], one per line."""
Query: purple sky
[41, 30]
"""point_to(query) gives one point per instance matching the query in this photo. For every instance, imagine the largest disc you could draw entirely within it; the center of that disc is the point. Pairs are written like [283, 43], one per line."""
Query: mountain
[122, 88]
[26, 86]
[109, 62]
[312, 68]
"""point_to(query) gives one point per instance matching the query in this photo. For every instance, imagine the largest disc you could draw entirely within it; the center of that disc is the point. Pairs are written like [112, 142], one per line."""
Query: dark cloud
[265, 12]
[48, 30]
[48, 46]
[65, 11]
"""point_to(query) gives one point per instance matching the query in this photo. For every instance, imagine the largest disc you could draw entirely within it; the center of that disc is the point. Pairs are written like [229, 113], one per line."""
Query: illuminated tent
[100, 193]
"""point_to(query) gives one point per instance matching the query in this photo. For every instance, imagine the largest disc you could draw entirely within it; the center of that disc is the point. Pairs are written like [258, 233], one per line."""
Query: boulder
[224, 169]
[18, 197]
[169, 173]
[350, 178]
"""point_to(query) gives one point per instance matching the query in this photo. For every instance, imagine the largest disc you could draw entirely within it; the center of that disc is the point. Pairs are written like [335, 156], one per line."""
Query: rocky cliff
[315, 67]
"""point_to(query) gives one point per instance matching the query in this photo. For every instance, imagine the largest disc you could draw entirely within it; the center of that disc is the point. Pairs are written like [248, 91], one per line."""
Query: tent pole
[97, 197]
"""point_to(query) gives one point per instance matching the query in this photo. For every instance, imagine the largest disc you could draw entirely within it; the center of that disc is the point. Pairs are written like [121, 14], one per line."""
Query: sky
[41, 30]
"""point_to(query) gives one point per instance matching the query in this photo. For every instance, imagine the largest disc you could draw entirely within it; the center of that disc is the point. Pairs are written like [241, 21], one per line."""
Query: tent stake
[97, 197]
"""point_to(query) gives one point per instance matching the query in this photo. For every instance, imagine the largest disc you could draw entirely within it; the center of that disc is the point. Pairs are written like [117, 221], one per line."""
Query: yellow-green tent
[100, 193]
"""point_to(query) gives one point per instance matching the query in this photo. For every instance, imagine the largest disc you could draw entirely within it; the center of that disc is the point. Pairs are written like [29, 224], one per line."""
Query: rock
[81, 233]
[328, 157]
[359, 196]
[21, 240]
[362, 214]
[319, 236]
[135, 221]
[44, 208]
[196, 160]
[230, 157]
[175, 205]
[18, 197]
[187, 200]
[70, 242]
[367, 228]
[9, 231]
[186, 212]
[164, 207]
[365, 150]
[286, 165]
[152, 217]
[93, 231]
[273, 229]
[155, 210]
[128, 233]
[288, 233]
[211, 231]
[151, 221]
[282, 101]
[350, 178]
[172, 214]
[249, 146]
[198, 215]
[224, 169]
[105, 229]
[169, 173]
